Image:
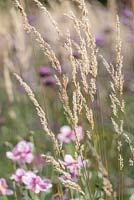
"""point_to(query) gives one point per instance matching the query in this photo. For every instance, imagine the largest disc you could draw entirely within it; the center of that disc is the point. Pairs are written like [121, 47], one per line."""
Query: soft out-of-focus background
[20, 53]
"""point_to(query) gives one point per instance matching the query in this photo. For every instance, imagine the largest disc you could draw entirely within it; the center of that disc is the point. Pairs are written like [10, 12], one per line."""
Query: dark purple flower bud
[44, 71]
[56, 197]
[99, 40]
[49, 81]
[127, 13]
[76, 55]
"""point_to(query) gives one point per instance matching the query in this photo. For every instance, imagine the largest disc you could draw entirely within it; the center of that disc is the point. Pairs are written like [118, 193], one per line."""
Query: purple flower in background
[79, 133]
[127, 13]
[100, 41]
[49, 81]
[4, 190]
[74, 166]
[35, 183]
[46, 76]
[18, 175]
[57, 197]
[44, 71]
[22, 153]
[126, 22]
[67, 135]
[70, 162]
[76, 55]
[32, 19]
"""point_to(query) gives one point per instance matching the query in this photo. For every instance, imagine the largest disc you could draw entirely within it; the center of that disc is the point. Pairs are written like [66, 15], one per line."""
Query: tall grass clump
[87, 159]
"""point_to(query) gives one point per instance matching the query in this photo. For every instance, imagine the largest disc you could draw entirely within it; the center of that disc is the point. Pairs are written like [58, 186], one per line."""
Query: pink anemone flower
[35, 183]
[18, 175]
[22, 153]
